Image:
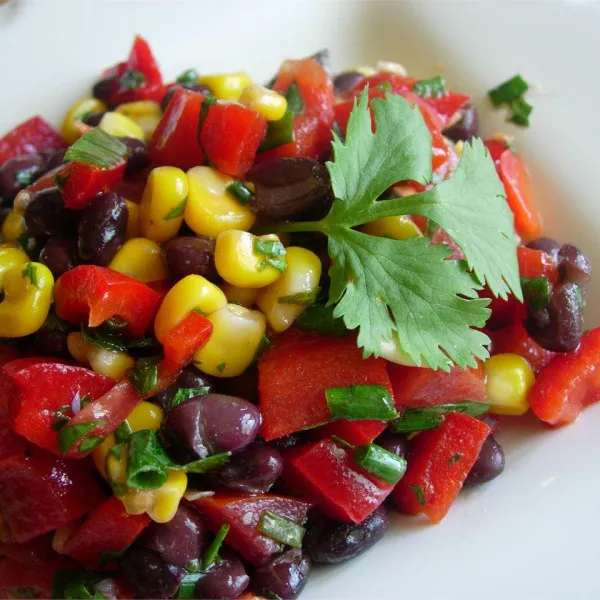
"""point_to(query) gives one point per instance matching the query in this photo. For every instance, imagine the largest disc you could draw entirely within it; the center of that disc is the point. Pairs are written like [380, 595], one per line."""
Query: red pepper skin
[536, 263]
[91, 294]
[504, 312]
[295, 372]
[43, 388]
[243, 513]
[41, 492]
[175, 140]
[84, 182]
[416, 386]
[440, 461]
[186, 338]
[231, 134]
[326, 475]
[108, 528]
[10, 442]
[34, 552]
[568, 383]
[30, 137]
[19, 580]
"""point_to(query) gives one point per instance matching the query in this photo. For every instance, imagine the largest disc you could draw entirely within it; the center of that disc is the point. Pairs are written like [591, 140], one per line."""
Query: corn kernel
[119, 125]
[268, 103]
[392, 67]
[11, 256]
[301, 278]
[398, 227]
[226, 86]
[70, 129]
[509, 378]
[133, 220]
[392, 350]
[142, 259]
[145, 113]
[193, 292]
[116, 468]
[364, 70]
[237, 295]
[13, 226]
[210, 209]
[239, 261]
[145, 416]
[77, 347]
[458, 148]
[237, 333]
[167, 497]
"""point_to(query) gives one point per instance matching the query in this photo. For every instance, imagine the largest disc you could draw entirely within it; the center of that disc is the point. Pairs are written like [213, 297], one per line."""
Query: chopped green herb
[184, 394]
[319, 317]
[176, 211]
[512, 89]
[187, 587]
[131, 80]
[25, 178]
[536, 291]
[188, 76]
[360, 402]
[455, 458]
[122, 432]
[380, 462]
[117, 450]
[429, 417]
[103, 339]
[279, 132]
[61, 417]
[89, 443]
[521, 109]
[119, 489]
[213, 550]
[77, 584]
[147, 461]
[141, 342]
[385, 85]
[221, 367]
[273, 252]
[115, 323]
[294, 100]
[417, 490]
[204, 465]
[426, 88]
[301, 298]
[265, 342]
[144, 376]
[69, 435]
[98, 149]
[281, 528]
[108, 557]
[85, 401]
[341, 442]
[55, 323]
[62, 177]
[240, 191]
[30, 271]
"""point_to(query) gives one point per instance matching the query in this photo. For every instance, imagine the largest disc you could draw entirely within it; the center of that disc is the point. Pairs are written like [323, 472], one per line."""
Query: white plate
[534, 532]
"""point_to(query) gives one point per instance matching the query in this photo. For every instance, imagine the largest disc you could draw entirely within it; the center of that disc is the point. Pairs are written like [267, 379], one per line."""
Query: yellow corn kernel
[227, 86]
[268, 103]
[11, 256]
[240, 261]
[142, 259]
[392, 350]
[70, 127]
[119, 125]
[13, 226]
[133, 220]
[509, 378]
[237, 295]
[145, 113]
[237, 333]
[145, 416]
[210, 209]
[392, 67]
[458, 148]
[116, 467]
[363, 70]
[398, 228]
[193, 292]
[100, 452]
[167, 497]
[27, 298]
[301, 276]
[77, 347]
[163, 203]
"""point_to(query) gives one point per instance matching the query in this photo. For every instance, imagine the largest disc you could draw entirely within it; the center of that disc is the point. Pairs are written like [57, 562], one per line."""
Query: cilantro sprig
[379, 285]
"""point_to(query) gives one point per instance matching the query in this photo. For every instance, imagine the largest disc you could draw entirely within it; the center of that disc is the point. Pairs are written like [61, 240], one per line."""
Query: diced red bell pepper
[79, 183]
[34, 552]
[42, 389]
[294, 374]
[19, 580]
[243, 513]
[175, 140]
[30, 137]
[326, 474]
[440, 460]
[504, 312]
[568, 383]
[354, 432]
[231, 135]
[10, 442]
[448, 104]
[186, 338]
[496, 148]
[536, 263]
[91, 294]
[41, 492]
[108, 528]
[417, 386]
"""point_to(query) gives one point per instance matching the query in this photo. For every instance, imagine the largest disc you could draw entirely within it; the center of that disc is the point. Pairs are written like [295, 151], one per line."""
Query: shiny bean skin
[344, 82]
[53, 158]
[466, 128]
[46, 214]
[103, 89]
[289, 187]
[93, 119]
[51, 342]
[285, 575]
[573, 265]
[226, 578]
[194, 87]
[191, 256]
[329, 541]
[189, 377]
[102, 229]
[244, 385]
[323, 58]
[396, 443]
[138, 157]
[59, 255]
[179, 541]
[17, 173]
[547, 245]
[489, 463]
[251, 471]
[210, 424]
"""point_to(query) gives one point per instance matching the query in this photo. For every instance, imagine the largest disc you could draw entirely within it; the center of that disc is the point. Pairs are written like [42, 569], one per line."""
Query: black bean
[226, 578]
[547, 245]
[289, 187]
[489, 463]
[323, 58]
[329, 541]
[194, 87]
[102, 228]
[53, 158]
[190, 377]
[285, 575]
[46, 214]
[191, 256]
[59, 255]
[138, 157]
[347, 81]
[467, 127]
[103, 89]
[244, 385]
[17, 173]
[51, 342]
[573, 265]
[396, 443]
[93, 119]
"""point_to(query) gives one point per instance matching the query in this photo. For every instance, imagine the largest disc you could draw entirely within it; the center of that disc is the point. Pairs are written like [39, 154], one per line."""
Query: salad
[240, 323]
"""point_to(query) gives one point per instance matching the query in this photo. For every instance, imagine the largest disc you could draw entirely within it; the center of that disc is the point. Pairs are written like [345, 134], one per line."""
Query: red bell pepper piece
[41, 492]
[496, 148]
[440, 460]
[175, 140]
[231, 135]
[416, 386]
[326, 474]
[186, 338]
[34, 552]
[10, 442]
[44, 388]
[568, 383]
[19, 580]
[30, 137]
[504, 312]
[294, 374]
[79, 183]
[243, 513]
[91, 294]
[448, 104]
[536, 263]
[108, 528]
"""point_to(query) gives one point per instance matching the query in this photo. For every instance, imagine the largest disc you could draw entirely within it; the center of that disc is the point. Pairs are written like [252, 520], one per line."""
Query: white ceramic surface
[534, 532]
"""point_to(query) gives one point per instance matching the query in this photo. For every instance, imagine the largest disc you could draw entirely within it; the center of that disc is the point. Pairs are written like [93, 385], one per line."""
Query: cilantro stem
[291, 227]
